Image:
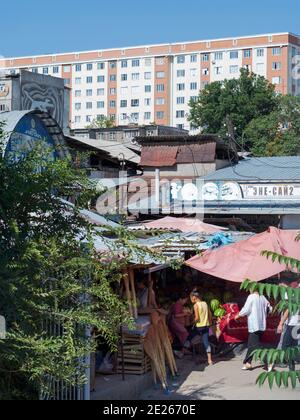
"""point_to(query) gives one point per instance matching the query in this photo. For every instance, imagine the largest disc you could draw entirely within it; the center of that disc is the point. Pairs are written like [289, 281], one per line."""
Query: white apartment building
[156, 83]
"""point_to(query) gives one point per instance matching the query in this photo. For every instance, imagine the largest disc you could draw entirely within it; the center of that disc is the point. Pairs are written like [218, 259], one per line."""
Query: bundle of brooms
[158, 347]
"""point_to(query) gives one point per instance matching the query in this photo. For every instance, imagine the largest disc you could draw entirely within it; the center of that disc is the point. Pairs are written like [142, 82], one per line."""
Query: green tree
[53, 284]
[242, 99]
[102, 122]
[287, 299]
[276, 134]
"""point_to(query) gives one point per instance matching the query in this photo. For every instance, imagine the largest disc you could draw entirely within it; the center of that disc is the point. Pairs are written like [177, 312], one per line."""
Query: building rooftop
[260, 170]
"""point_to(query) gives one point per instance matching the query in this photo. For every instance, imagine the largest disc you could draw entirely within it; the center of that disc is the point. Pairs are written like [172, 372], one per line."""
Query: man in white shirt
[256, 309]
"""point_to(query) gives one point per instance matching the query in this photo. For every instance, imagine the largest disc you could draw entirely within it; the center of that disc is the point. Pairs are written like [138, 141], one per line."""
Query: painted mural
[29, 132]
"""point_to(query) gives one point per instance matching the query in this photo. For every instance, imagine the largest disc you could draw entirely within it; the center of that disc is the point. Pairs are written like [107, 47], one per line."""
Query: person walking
[203, 322]
[291, 334]
[257, 309]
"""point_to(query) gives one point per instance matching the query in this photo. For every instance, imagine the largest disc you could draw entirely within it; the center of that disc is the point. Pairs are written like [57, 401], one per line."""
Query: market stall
[245, 260]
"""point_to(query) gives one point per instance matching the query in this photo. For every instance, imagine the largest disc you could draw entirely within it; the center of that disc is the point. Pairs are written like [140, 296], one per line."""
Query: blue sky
[36, 27]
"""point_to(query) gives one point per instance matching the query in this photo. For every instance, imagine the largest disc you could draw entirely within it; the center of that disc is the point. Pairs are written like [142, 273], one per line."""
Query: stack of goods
[136, 361]
[158, 347]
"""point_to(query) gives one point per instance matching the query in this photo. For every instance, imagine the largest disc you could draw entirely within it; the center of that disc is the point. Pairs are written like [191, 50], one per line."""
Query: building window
[67, 82]
[113, 64]
[194, 86]
[219, 56]
[147, 101]
[148, 62]
[218, 70]
[78, 67]
[180, 100]
[67, 69]
[89, 105]
[135, 116]
[181, 59]
[148, 88]
[89, 80]
[101, 79]
[260, 52]
[123, 104]
[160, 115]
[77, 119]
[147, 116]
[100, 92]
[124, 77]
[205, 72]
[194, 73]
[89, 67]
[276, 80]
[276, 65]
[135, 76]
[77, 93]
[113, 78]
[180, 86]
[112, 104]
[135, 90]
[112, 91]
[180, 73]
[77, 106]
[135, 63]
[45, 70]
[124, 64]
[89, 92]
[260, 68]
[234, 69]
[194, 58]
[234, 55]
[88, 118]
[160, 75]
[55, 70]
[194, 98]
[148, 75]
[135, 103]
[247, 53]
[160, 61]
[276, 51]
[160, 88]
[78, 81]
[160, 101]
[205, 57]
[100, 104]
[101, 66]
[180, 114]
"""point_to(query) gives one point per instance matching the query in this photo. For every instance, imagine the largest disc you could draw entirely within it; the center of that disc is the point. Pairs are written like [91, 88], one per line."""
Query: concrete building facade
[142, 85]
[26, 91]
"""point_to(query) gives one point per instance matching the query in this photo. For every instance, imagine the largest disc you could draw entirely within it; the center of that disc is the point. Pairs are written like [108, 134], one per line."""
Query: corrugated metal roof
[114, 149]
[260, 170]
[159, 156]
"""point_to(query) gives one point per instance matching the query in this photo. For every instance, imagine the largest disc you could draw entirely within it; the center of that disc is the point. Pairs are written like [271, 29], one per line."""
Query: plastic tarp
[184, 225]
[244, 260]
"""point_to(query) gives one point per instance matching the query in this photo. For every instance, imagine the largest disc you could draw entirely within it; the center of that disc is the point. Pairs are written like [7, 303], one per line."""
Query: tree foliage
[287, 299]
[276, 134]
[102, 122]
[243, 99]
[53, 285]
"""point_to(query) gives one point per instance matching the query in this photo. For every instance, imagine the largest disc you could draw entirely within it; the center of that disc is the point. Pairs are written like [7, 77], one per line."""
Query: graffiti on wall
[43, 98]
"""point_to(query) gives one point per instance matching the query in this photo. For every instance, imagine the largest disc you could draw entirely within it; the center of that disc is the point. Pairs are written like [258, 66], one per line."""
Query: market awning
[183, 225]
[244, 260]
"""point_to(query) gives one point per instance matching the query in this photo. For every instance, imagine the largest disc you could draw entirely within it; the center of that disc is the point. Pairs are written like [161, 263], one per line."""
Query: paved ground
[223, 381]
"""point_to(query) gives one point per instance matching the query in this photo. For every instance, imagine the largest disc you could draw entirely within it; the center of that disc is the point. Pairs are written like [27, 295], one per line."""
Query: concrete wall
[186, 170]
